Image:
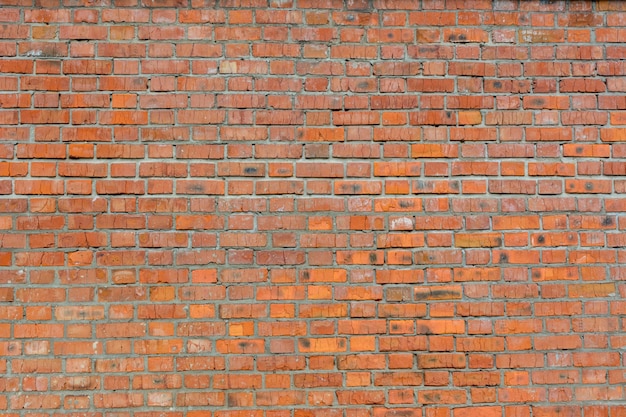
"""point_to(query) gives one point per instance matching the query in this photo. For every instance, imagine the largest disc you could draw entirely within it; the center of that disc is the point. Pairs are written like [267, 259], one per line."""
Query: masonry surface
[312, 208]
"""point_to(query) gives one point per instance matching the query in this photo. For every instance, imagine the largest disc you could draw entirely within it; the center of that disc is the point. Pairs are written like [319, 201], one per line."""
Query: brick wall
[312, 208]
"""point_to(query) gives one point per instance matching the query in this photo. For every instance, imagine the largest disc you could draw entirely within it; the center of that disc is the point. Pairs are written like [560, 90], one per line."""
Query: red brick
[298, 237]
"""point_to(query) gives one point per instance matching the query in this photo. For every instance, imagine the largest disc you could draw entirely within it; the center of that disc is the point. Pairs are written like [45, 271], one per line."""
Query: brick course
[312, 208]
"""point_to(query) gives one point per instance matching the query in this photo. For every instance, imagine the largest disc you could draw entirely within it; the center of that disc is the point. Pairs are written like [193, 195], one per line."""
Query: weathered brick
[254, 206]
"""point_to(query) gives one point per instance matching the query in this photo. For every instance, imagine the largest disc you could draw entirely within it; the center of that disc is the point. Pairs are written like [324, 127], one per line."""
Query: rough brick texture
[312, 208]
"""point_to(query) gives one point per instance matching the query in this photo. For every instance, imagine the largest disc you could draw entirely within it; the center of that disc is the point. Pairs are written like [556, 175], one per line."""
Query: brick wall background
[312, 208]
